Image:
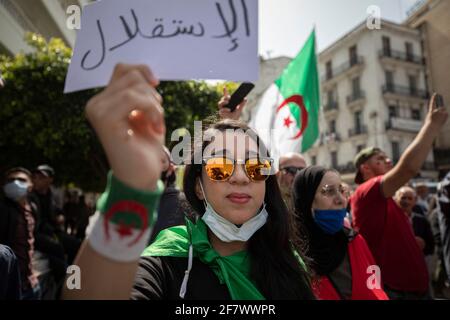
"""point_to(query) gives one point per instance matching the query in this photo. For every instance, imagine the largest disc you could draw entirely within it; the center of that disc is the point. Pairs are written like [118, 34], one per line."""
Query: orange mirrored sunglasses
[221, 168]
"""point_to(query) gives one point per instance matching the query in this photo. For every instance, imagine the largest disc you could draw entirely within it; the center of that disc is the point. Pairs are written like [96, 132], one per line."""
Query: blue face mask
[330, 221]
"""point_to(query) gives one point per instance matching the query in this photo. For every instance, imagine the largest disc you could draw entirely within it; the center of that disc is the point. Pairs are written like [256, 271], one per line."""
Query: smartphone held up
[238, 96]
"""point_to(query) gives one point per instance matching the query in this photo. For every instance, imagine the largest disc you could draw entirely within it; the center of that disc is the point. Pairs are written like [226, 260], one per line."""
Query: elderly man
[423, 198]
[289, 165]
[406, 198]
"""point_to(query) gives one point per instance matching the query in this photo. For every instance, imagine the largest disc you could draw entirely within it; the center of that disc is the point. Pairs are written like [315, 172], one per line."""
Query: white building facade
[373, 94]
[46, 17]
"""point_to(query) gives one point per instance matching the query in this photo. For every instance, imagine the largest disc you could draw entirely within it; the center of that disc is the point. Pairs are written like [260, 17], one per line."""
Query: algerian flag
[287, 117]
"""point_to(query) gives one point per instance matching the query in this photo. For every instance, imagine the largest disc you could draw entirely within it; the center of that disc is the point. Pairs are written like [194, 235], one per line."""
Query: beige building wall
[46, 17]
[432, 19]
[381, 128]
[373, 102]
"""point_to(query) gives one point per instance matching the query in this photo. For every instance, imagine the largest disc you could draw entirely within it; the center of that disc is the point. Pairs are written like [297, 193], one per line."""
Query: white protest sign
[178, 39]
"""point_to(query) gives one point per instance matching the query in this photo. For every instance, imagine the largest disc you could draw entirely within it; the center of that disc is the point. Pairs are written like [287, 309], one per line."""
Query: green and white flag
[287, 116]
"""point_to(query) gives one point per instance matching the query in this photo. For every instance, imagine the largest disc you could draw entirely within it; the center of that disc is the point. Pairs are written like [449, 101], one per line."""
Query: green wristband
[126, 217]
[116, 192]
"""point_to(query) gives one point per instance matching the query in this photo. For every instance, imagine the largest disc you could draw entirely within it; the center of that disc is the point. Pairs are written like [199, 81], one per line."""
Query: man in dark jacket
[17, 226]
[43, 177]
[10, 284]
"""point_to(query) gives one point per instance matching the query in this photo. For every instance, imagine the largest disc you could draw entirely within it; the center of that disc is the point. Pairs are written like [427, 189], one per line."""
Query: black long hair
[274, 267]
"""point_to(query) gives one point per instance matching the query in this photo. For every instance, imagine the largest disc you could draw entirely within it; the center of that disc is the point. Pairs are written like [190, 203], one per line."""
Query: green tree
[40, 124]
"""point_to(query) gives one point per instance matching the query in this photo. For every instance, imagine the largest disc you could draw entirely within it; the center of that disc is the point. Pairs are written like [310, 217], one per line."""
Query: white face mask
[227, 231]
[16, 190]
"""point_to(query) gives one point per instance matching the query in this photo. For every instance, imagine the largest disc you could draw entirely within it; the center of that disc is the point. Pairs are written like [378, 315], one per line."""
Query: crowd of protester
[232, 232]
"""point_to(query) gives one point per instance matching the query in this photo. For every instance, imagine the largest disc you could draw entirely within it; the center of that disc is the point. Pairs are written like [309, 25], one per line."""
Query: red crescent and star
[297, 100]
[123, 229]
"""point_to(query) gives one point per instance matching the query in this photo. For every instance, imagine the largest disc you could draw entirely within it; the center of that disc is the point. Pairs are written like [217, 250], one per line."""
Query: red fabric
[390, 238]
[360, 260]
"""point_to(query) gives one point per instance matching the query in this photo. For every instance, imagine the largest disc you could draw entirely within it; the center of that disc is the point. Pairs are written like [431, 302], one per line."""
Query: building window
[353, 55]
[333, 126]
[356, 87]
[330, 97]
[357, 117]
[389, 75]
[393, 112]
[409, 51]
[334, 162]
[415, 114]
[329, 70]
[313, 160]
[395, 151]
[386, 46]
[412, 85]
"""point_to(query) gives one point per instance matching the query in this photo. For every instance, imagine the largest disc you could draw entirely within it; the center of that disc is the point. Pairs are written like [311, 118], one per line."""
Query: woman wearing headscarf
[343, 264]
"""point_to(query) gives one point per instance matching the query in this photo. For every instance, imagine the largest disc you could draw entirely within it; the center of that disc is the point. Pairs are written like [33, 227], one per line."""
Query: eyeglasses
[291, 170]
[222, 168]
[330, 191]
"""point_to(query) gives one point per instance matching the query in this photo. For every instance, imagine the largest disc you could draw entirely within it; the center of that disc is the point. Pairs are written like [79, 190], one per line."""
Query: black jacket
[422, 229]
[9, 212]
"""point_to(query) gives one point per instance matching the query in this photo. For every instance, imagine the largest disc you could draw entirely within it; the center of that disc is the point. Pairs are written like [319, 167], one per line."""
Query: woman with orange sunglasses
[241, 241]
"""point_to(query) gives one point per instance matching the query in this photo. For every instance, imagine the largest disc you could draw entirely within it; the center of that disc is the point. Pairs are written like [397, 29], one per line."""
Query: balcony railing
[346, 168]
[357, 131]
[329, 137]
[404, 124]
[342, 68]
[402, 56]
[331, 105]
[356, 96]
[405, 91]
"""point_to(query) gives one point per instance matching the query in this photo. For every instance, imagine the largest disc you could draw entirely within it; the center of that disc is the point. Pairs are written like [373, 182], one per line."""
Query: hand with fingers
[437, 116]
[129, 121]
[226, 113]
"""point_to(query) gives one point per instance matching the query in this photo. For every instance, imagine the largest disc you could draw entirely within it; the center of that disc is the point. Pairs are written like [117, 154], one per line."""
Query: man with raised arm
[382, 223]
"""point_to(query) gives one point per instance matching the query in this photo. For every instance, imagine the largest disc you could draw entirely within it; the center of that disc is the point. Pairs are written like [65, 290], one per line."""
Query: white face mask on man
[227, 231]
[15, 190]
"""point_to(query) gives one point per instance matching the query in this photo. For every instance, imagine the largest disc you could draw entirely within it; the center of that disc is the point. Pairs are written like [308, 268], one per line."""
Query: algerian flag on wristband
[124, 224]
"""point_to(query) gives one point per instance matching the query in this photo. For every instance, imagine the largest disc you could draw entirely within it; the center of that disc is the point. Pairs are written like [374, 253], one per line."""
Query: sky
[284, 25]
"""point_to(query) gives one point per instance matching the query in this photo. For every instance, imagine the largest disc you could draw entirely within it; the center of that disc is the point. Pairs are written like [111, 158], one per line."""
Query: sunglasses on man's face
[291, 170]
[221, 168]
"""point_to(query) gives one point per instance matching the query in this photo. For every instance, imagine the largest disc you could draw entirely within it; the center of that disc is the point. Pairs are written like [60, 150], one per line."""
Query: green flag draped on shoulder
[233, 270]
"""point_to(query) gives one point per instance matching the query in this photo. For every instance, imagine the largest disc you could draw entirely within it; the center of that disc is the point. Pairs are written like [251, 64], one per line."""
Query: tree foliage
[39, 124]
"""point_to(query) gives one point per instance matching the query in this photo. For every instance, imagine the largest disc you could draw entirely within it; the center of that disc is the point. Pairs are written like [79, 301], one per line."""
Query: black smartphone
[239, 95]
[439, 101]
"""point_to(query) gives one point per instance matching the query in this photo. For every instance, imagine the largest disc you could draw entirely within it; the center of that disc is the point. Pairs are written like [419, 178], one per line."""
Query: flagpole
[272, 122]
